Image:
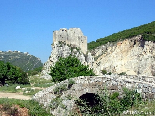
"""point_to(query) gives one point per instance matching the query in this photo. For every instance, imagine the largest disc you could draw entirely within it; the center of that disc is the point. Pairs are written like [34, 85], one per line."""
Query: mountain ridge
[146, 30]
[23, 60]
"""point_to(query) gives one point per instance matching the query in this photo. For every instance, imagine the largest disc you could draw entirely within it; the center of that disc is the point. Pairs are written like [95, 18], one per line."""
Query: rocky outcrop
[65, 43]
[132, 56]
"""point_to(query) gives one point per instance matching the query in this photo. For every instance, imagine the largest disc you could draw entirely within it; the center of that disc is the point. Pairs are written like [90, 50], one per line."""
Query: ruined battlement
[73, 36]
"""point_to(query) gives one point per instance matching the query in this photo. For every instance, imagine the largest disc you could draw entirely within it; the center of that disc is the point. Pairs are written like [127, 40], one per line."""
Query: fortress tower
[73, 37]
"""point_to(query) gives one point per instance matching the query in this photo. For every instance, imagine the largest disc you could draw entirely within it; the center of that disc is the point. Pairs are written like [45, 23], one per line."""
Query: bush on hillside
[69, 67]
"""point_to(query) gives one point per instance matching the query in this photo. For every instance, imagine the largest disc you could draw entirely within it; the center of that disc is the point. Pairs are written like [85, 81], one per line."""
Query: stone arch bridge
[92, 84]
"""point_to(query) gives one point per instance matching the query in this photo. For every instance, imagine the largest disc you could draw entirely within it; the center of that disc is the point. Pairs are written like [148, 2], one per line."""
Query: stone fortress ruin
[132, 56]
[73, 36]
[65, 43]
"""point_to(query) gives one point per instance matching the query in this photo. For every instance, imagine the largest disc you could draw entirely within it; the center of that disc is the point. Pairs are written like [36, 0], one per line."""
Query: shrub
[69, 67]
[122, 73]
[130, 98]
[110, 104]
[104, 72]
[55, 102]
[35, 71]
[59, 89]
[109, 73]
[70, 83]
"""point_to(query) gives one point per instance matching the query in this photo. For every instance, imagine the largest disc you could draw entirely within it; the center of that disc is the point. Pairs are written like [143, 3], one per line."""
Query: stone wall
[92, 84]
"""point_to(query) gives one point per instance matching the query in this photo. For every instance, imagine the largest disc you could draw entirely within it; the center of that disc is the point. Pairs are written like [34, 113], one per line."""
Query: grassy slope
[146, 30]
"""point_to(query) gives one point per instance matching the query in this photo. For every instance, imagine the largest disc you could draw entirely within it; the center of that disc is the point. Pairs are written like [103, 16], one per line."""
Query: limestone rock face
[132, 56]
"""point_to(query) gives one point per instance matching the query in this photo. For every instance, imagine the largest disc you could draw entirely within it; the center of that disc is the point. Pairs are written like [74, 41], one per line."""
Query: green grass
[146, 108]
[35, 82]
[30, 91]
[34, 108]
[12, 88]
[40, 82]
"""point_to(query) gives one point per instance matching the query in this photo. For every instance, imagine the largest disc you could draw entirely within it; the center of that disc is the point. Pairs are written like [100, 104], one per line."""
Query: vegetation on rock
[69, 67]
[147, 31]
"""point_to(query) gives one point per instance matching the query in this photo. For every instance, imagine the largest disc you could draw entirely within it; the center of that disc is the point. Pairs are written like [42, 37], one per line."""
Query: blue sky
[28, 25]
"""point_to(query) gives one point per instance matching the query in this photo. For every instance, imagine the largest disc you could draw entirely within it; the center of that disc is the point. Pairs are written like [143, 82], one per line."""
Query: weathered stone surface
[73, 36]
[94, 84]
[153, 90]
[133, 56]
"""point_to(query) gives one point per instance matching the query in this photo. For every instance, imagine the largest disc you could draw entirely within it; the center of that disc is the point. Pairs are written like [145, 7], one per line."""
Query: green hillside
[146, 30]
[25, 61]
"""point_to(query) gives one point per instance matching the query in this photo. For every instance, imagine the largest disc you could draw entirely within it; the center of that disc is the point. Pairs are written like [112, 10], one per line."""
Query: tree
[12, 74]
[3, 72]
[69, 67]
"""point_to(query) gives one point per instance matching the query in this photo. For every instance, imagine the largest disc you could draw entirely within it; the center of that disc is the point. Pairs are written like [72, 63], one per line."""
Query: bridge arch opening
[90, 99]
[89, 102]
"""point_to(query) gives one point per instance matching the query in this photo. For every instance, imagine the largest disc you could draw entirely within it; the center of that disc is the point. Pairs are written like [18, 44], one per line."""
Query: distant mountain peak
[21, 59]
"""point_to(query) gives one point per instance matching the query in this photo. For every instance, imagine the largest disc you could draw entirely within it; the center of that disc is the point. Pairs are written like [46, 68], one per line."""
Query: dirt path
[14, 95]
